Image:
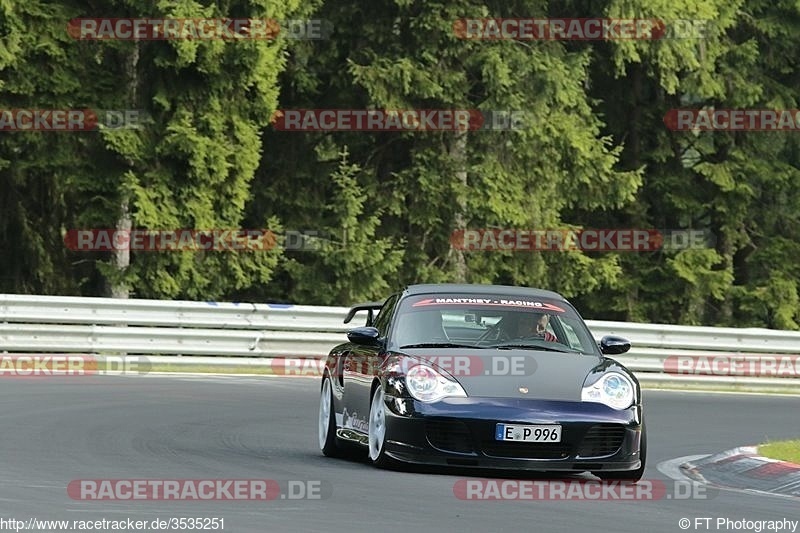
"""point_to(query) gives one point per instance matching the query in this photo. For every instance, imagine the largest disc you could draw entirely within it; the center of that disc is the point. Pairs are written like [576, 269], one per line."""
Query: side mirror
[365, 336]
[613, 345]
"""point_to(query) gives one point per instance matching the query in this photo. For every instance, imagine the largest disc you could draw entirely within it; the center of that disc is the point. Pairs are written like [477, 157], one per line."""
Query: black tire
[631, 476]
[328, 442]
[377, 430]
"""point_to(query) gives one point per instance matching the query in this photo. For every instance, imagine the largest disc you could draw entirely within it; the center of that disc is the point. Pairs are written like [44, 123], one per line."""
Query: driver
[534, 325]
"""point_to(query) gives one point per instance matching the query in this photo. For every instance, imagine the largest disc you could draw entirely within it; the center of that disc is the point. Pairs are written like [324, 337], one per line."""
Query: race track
[56, 430]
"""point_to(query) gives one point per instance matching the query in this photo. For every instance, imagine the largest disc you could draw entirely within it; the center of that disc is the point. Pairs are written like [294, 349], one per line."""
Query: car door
[359, 369]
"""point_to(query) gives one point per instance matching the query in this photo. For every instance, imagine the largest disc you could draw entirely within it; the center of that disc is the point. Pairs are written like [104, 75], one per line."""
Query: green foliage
[189, 166]
[740, 188]
[356, 266]
[593, 152]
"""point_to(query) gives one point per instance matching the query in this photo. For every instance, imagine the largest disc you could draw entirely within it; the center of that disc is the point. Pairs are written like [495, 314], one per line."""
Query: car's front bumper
[461, 432]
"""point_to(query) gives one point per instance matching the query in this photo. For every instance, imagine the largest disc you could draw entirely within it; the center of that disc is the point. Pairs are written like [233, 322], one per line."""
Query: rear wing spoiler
[370, 307]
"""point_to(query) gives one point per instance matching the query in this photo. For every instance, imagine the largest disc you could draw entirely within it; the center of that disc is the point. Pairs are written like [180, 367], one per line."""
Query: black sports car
[483, 376]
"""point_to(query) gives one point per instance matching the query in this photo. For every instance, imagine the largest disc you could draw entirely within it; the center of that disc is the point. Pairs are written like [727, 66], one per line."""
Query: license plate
[539, 433]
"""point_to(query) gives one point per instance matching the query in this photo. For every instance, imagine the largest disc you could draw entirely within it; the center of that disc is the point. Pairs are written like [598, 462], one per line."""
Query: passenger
[534, 325]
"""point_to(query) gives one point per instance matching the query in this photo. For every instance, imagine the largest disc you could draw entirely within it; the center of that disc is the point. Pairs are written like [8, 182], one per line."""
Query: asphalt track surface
[55, 430]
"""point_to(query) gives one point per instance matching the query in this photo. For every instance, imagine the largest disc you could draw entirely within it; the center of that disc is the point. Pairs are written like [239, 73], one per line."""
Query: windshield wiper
[534, 347]
[441, 345]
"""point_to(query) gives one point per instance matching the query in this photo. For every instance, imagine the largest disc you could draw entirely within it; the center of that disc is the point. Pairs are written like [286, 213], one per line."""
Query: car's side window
[574, 340]
[385, 315]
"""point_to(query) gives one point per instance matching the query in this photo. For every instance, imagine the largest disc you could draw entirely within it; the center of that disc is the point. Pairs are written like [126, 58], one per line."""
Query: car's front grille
[602, 440]
[449, 435]
[526, 450]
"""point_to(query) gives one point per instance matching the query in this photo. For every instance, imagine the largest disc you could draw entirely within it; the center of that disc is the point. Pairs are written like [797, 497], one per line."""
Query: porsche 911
[480, 376]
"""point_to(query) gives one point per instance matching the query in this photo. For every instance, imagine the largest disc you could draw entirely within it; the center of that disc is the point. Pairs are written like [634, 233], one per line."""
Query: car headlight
[613, 389]
[427, 385]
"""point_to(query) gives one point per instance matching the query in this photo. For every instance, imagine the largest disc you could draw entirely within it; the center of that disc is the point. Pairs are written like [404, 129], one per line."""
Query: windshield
[492, 321]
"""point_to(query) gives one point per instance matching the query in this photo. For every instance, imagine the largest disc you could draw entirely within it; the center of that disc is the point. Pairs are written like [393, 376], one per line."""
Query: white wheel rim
[377, 424]
[324, 412]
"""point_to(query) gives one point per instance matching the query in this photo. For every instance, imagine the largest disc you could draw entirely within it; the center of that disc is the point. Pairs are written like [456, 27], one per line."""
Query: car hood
[513, 373]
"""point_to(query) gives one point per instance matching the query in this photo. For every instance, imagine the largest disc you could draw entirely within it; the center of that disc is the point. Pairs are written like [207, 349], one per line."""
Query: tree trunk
[122, 257]
[458, 152]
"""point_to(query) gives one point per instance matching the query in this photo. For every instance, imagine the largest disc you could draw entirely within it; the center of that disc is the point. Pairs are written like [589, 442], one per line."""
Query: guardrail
[105, 326]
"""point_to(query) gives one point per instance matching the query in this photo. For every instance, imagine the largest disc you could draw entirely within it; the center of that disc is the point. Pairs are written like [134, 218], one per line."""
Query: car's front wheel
[328, 442]
[377, 429]
[631, 476]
